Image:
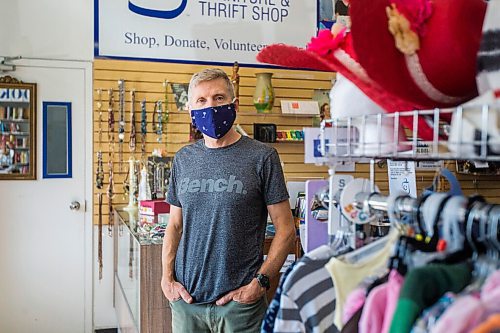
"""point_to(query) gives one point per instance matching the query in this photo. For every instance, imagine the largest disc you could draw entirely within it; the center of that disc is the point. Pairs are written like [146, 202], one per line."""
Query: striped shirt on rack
[307, 302]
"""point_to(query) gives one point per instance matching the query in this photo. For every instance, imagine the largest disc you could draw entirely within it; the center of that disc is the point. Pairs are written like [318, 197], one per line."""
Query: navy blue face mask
[214, 121]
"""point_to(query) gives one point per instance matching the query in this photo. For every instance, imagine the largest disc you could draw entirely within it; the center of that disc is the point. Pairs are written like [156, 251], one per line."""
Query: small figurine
[235, 79]
[144, 188]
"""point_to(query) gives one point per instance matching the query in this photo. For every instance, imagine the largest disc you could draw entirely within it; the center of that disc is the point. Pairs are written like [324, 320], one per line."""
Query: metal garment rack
[343, 144]
[378, 202]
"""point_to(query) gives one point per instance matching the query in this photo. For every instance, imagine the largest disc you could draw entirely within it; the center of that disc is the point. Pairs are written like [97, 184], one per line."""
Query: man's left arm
[281, 245]
[283, 240]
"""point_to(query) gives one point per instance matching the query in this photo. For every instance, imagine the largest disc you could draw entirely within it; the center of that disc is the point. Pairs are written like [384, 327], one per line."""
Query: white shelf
[15, 133]
[15, 120]
[473, 134]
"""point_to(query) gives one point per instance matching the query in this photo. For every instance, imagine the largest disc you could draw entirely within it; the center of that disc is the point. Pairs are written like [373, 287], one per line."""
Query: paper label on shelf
[304, 108]
[429, 165]
[402, 177]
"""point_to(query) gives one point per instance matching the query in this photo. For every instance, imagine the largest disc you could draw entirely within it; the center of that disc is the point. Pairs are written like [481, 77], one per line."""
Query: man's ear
[237, 104]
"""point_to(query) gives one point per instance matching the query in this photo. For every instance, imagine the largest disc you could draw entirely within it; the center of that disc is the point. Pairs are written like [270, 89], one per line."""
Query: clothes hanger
[491, 252]
[390, 240]
[494, 220]
[472, 236]
[452, 236]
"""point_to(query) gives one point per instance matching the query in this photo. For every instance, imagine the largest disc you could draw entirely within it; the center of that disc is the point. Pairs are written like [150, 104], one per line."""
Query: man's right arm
[172, 289]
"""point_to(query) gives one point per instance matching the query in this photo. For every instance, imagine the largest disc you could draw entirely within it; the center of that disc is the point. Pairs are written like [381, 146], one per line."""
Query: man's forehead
[208, 88]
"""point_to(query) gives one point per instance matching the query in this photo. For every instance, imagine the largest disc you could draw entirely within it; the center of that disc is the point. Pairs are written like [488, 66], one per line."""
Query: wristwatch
[263, 280]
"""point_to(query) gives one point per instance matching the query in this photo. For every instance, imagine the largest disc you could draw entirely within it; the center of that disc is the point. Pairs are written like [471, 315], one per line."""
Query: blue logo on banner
[317, 147]
[163, 14]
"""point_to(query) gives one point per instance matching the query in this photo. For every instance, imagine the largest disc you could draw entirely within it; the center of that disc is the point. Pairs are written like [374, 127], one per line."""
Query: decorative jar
[263, 98]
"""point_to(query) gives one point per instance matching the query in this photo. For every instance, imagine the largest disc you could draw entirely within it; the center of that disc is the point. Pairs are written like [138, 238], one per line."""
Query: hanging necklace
[144, 131]
[131, 143]
[99, 175]
[111, 122]
[159, 123]
[110, 194]
[121, 122]
[167, 112]
[99, 235]
[111, 153]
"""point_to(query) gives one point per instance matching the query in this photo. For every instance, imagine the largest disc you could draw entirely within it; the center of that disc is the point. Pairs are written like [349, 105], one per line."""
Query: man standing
[222, 189]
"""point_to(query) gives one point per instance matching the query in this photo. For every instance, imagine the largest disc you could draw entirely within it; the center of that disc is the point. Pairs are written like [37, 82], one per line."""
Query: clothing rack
[376, 201]
[402, 205]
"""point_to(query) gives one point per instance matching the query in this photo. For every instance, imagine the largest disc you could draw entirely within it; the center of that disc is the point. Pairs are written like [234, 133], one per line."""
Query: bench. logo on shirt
[230, 185]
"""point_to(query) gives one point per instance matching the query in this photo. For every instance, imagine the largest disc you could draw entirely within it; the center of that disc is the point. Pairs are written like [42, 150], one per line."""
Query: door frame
[86, 67]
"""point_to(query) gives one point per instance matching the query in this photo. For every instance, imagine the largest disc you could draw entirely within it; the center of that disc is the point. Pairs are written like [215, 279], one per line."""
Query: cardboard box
[153, 207]
[147, 219]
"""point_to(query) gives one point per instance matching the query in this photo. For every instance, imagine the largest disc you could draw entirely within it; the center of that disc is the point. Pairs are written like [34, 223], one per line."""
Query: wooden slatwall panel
[147, 79]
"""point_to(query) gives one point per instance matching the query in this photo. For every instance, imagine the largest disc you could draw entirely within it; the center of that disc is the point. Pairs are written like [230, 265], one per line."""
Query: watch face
[263, 280]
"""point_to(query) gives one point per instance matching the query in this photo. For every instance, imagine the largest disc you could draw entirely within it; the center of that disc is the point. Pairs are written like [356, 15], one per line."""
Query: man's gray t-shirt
[223, 193]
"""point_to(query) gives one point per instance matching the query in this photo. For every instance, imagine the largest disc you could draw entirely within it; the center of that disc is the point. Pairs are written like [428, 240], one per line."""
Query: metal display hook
[6, 65]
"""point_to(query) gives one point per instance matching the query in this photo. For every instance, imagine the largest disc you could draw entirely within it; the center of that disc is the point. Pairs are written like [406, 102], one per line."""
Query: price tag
[402, 177]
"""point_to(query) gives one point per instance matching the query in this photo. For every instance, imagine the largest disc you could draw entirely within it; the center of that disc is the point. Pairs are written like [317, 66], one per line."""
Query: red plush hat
[423, 51]
[336, 54]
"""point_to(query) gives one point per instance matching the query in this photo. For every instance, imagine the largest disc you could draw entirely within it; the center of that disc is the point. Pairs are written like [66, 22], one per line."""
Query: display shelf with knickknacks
[17, 129]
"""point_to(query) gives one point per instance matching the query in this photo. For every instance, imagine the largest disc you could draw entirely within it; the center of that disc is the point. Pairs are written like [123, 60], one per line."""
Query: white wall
[53, 29]
[58, 30]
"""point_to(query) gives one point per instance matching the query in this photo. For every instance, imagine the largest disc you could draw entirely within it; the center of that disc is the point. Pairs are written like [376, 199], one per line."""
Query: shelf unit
[472, 135]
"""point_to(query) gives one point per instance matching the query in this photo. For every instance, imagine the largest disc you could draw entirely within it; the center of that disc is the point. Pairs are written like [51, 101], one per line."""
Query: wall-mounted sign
[200, 31]
[14, 95]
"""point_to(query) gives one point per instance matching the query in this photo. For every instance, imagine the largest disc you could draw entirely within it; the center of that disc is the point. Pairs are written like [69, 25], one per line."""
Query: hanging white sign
[201, 31]
[402, 177]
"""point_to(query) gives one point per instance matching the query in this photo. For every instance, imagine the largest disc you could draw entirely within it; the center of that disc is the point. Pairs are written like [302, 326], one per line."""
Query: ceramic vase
[263, 98]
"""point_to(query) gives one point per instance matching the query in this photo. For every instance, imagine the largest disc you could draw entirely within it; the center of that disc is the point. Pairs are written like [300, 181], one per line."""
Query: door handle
[74, 205]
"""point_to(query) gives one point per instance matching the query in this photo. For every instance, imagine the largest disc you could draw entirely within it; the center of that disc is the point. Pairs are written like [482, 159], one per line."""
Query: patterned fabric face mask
[214, 121]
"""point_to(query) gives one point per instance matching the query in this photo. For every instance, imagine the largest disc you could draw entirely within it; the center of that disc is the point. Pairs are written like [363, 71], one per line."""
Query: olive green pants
[210, 318]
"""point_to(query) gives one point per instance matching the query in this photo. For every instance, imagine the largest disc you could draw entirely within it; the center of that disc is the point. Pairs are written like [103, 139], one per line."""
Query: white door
[46, 248]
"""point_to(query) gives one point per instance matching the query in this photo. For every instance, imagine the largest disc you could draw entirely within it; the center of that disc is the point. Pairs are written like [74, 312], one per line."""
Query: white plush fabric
[347, 100]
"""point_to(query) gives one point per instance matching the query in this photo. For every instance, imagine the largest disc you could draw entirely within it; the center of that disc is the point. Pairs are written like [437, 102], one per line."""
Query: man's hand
[247, 294]
[173, 291]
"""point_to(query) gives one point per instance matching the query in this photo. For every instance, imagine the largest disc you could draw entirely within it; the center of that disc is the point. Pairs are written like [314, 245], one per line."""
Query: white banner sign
[201, 31]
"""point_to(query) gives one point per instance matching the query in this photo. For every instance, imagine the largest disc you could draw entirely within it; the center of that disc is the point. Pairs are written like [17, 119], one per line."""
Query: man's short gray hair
[210, 74]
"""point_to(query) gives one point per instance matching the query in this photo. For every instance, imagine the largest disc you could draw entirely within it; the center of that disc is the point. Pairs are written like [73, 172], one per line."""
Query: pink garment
[353, 303]
[467, 308]
[472, 309]
[380, 305]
